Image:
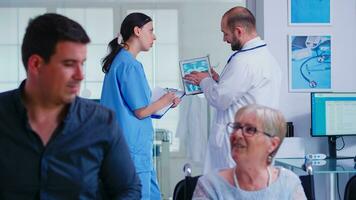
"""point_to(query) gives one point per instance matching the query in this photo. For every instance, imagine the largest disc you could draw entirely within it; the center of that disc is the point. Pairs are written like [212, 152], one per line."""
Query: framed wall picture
[310, 63]
[309, 12]
[201, 64]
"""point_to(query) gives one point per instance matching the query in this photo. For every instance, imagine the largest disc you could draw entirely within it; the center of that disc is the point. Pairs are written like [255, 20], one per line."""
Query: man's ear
[34, 63]
[238, 30]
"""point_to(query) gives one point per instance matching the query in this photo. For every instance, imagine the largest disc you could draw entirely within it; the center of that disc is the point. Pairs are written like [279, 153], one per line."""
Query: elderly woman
[255, 137]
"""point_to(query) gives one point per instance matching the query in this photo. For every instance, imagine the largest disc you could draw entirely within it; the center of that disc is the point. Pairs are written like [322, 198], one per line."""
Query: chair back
[308, 186]
[185, 188]
[350, 189]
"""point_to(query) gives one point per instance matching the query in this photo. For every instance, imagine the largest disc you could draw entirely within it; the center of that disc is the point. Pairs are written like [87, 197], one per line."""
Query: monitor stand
[332, 146]
[332, 149]
[332, 152]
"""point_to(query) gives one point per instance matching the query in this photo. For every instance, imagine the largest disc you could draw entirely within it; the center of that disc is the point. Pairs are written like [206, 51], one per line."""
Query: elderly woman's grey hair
[272, 121]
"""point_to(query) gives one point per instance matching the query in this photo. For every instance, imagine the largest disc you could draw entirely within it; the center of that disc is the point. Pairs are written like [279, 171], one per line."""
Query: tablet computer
[201, 64]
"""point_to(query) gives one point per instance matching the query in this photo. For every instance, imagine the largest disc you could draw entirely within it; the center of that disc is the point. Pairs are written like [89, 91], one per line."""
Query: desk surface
[321, 166]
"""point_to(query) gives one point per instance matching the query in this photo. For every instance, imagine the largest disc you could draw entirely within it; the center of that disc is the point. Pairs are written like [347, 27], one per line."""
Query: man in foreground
[53, 144]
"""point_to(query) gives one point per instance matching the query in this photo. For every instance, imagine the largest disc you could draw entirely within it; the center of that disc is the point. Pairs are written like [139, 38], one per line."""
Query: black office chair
[308, 186]
[185, 188]
[308, 181]
[350, 189]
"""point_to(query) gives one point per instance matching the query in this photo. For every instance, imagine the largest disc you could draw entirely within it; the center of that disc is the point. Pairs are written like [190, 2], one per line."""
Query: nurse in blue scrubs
[126, 91]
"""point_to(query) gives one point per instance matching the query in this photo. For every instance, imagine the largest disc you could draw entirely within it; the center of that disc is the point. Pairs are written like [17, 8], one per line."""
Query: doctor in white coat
[251, 76]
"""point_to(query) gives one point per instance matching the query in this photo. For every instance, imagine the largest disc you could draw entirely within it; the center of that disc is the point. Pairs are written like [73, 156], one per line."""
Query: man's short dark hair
[240, 16]
[45, 31]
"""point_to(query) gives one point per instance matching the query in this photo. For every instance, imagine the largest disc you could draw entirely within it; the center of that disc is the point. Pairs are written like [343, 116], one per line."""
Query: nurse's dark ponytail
[114, 50]
[127, 30]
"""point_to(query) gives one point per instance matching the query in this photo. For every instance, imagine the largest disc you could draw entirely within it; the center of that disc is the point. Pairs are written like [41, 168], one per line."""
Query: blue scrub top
[125, 90]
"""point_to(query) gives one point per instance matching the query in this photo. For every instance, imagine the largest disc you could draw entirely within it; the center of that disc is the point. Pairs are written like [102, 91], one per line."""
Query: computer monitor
[333, 114]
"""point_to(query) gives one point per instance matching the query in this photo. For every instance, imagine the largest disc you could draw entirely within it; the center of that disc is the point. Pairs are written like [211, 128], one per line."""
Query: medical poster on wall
[309, 12]
[201, 64]
[309, 63]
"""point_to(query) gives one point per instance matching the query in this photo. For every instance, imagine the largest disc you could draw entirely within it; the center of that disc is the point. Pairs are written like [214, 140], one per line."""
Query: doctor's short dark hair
[241, 16]
[44, 32]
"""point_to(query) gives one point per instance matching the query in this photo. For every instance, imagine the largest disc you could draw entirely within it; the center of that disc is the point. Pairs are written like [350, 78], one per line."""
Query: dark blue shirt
[86, 158]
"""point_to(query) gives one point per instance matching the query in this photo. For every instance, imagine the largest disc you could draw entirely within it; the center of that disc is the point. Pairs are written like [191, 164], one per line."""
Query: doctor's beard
[236, 44]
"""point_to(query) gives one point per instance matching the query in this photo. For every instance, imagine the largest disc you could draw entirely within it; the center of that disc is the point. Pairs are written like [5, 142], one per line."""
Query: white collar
[253, 43]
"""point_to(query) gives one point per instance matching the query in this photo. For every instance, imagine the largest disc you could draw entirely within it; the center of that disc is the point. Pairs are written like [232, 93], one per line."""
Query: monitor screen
[333, 114]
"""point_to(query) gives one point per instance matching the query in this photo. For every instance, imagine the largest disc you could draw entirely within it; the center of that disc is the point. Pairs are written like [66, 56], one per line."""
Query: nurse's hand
[167, 99]
[176, 101]
[195, 77]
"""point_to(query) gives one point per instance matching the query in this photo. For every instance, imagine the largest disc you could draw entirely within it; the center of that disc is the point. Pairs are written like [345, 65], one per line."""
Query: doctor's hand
[214, 75]
[195, 77]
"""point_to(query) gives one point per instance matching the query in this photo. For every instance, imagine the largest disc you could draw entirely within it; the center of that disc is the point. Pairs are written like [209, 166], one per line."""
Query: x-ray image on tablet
[201, 64]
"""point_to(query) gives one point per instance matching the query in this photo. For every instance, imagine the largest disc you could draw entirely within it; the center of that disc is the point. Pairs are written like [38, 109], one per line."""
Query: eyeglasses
[247, 130]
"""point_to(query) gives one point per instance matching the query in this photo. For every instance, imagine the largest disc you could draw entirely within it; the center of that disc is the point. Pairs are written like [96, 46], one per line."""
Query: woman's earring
[269, 159]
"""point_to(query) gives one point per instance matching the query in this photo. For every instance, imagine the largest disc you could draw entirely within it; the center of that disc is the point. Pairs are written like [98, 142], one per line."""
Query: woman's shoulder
[218, 178]
[213, 186]
[287, 176]
[126, 56]
[215, 175]
[124, 59]
[286, 172]
[226, 174]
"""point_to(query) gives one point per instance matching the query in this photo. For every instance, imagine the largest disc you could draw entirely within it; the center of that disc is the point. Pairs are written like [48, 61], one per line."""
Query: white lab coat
[192, 129]
[251, 77]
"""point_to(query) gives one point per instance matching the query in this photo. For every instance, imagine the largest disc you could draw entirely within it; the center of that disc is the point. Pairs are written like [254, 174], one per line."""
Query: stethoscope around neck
[240, 51]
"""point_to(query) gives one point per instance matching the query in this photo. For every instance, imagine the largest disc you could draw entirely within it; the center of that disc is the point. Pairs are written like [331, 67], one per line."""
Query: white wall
[272, 21]
[200, 32]
[296, 106]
